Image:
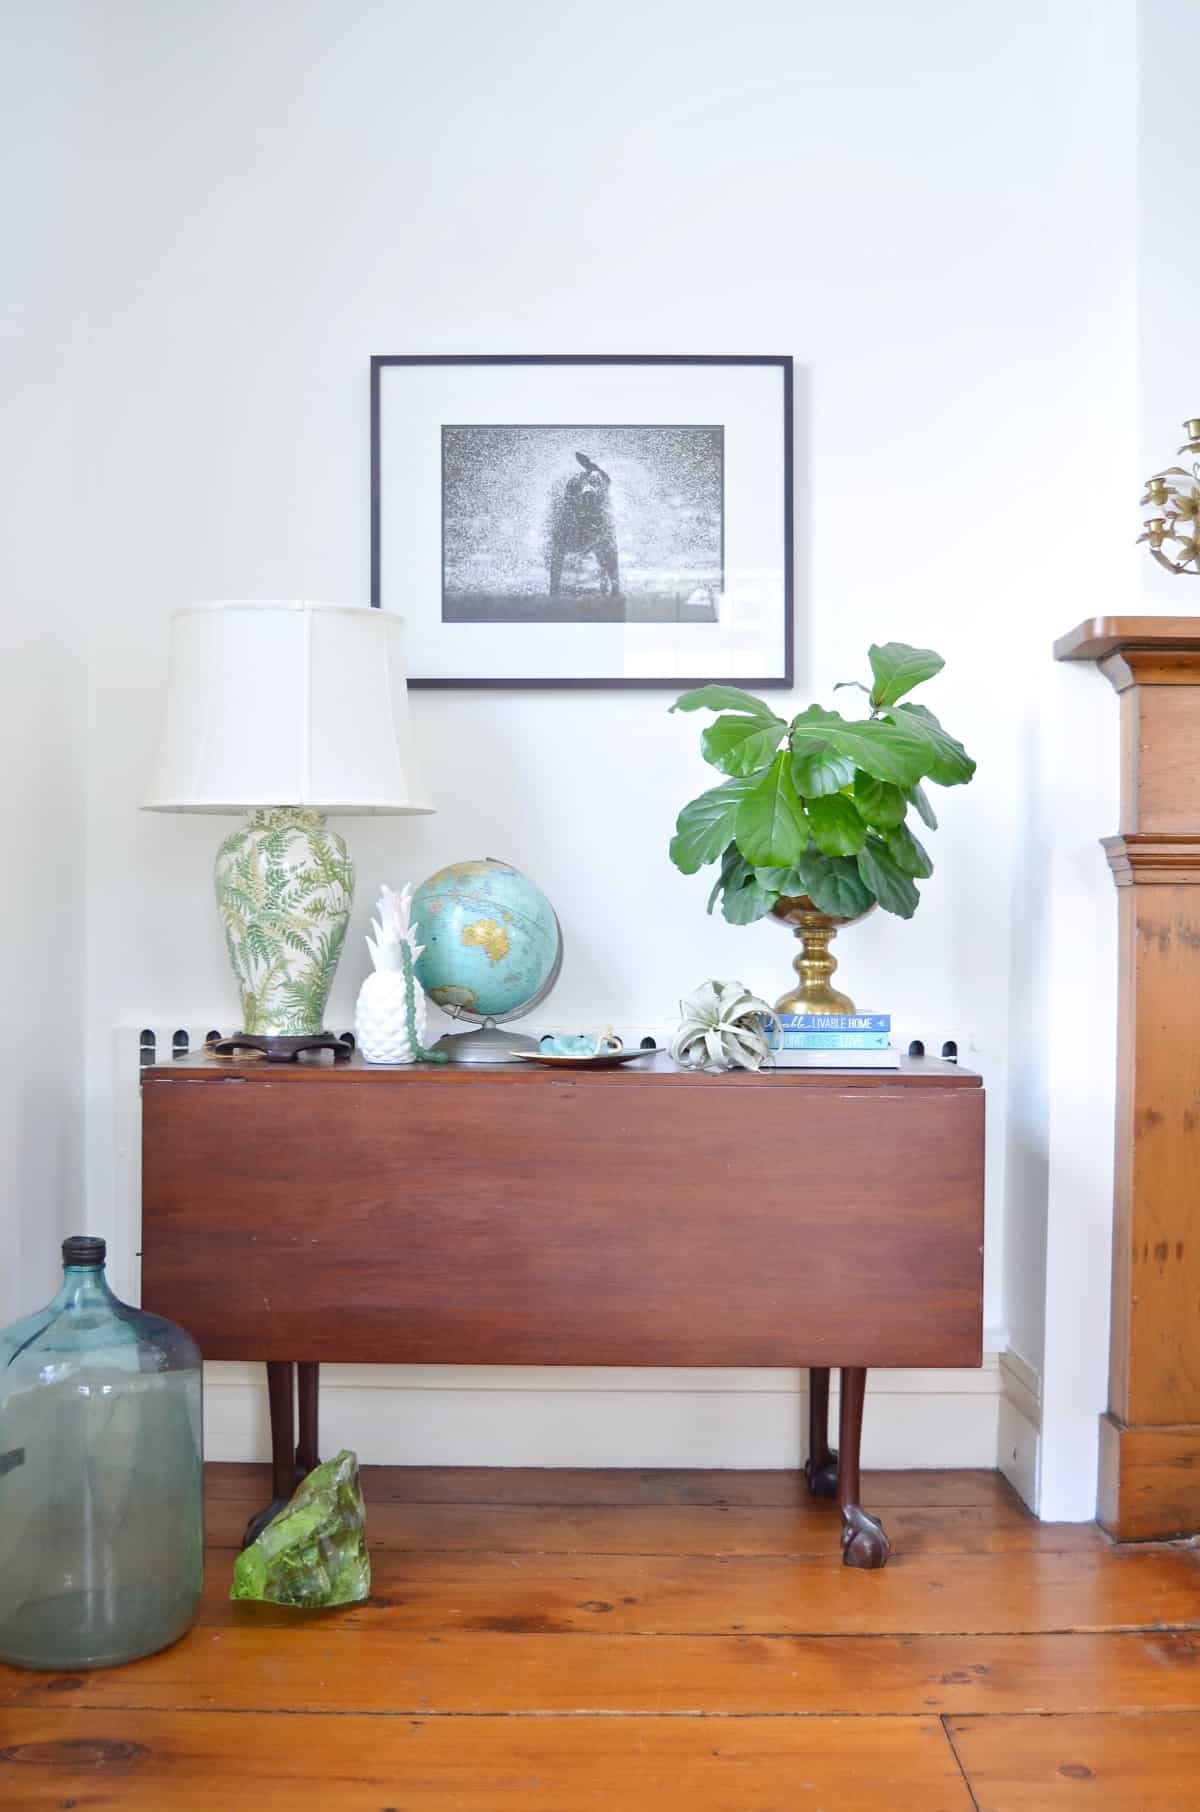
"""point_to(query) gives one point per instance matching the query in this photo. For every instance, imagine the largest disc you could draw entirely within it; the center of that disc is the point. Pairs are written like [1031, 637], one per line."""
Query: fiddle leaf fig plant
[820, 805]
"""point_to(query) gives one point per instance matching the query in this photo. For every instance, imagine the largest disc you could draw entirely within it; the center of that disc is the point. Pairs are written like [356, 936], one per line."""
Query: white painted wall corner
[1019, 1426]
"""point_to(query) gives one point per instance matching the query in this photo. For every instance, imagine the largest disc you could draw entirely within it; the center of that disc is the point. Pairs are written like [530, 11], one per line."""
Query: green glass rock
[314, 1553]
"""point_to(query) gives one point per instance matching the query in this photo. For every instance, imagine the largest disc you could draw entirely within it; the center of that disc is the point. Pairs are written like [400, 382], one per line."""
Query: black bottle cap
[83, 1249]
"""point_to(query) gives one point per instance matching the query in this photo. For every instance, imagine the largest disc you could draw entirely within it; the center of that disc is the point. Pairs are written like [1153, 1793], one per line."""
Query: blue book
[886, 1059]
[836, 1022]
[832, 1041]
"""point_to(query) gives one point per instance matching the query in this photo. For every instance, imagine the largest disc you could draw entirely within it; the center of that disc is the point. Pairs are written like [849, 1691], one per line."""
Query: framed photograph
[619, 520]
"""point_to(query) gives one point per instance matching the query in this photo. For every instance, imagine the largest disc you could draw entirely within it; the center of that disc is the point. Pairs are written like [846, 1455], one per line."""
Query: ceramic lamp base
[285, 885]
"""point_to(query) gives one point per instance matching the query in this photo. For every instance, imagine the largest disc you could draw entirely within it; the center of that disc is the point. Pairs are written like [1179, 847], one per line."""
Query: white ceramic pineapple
[381, 1016]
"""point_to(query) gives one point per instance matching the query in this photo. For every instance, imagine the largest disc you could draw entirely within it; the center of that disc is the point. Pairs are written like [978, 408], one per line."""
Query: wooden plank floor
[563, 1640]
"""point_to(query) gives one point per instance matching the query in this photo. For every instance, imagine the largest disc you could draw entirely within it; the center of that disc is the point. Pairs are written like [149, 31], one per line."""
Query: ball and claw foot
[864, 1542]
[821, 1478]
[261, 1518]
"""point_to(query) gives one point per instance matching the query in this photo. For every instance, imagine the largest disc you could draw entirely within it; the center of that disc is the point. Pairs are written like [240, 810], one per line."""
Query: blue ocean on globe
[491, 939]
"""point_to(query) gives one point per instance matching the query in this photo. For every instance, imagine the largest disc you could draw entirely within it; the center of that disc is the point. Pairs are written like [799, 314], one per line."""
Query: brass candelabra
[1174, 496]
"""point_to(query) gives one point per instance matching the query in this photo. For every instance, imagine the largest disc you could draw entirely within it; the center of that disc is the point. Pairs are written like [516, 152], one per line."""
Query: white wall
[42, 333]
[1168, 259]
[931, 207]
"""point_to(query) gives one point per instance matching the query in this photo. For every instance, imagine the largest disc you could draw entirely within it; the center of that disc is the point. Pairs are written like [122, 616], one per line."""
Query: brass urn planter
[811, 824]
[815, 964]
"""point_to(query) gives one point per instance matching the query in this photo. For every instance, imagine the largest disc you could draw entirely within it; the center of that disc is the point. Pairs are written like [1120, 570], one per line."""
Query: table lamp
[285, 711]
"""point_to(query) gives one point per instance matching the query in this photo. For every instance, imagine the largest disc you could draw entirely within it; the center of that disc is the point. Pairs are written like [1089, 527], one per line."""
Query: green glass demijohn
[101, 1477]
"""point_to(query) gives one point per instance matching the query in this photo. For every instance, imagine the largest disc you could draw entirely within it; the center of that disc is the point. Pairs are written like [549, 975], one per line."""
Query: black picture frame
[782, 680]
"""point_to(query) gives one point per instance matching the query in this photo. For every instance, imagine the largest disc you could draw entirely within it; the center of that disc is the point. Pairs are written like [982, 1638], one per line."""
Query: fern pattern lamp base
[285, 886]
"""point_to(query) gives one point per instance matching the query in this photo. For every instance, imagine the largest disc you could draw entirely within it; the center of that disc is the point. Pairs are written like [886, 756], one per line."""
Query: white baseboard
[526, 1416]
[1020, 1426]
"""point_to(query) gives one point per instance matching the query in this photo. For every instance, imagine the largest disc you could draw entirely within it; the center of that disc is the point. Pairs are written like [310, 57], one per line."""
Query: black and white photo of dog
[542, 523]
[581, 523]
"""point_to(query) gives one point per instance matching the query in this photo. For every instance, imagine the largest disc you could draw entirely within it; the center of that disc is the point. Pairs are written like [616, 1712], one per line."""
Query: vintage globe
[493, 949]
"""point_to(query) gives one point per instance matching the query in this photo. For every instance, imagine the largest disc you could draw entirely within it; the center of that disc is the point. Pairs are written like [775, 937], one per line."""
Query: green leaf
[704, 827]
[742, 905]
[817, 769]
[891, 886]
[897, 668]
[879, 747]
[846, 685]
[909, 856]
[783, 882]
[920, 799]
[723, 698]
[741, 745]
[734, 870]
[837, 829]
[880, 803]
[771, 829]
[745, 899]
[834, 885]
[946, 761]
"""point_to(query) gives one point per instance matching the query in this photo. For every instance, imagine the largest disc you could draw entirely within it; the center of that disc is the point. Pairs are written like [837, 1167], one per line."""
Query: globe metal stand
[488, 1043]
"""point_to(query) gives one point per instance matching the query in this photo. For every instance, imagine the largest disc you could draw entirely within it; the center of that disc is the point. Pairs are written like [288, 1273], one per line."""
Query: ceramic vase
[285, 885]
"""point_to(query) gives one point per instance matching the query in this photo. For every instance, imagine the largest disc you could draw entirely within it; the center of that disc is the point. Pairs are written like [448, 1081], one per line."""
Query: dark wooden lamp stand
[278, 1048]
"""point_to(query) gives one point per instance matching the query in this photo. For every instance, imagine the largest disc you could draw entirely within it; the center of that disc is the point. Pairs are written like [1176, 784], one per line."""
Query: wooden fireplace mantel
[1150, 1436]
[1099, 637]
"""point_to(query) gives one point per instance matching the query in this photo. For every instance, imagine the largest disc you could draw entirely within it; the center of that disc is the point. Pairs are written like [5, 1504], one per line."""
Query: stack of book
[835, 1041]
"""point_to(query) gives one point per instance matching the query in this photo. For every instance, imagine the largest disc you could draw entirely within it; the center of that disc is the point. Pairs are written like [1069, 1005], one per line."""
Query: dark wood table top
[918, 1072]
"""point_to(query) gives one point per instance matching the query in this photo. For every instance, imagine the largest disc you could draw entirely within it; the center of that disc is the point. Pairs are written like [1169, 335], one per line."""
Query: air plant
[723, 1026]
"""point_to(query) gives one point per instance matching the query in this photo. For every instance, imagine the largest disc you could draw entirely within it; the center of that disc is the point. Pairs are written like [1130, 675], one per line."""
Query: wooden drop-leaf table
[644, 1216]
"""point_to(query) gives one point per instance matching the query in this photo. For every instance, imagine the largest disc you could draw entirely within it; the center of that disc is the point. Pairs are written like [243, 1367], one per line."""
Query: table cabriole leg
[281, 1386]
[308, 1387]
[864, 1541]
[821, 1466]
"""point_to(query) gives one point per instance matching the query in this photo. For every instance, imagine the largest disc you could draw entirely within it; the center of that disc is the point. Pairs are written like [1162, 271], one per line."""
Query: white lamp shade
[286, 704]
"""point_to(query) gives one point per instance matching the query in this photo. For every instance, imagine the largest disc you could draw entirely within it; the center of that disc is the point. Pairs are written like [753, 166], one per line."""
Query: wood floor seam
[949, 1735]
[778, 1635]
[775, 1554]
[429, 1714]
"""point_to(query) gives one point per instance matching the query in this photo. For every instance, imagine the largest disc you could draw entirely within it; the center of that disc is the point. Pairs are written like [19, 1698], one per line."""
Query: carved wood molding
[1150, 667]
[1148, 1480]
[1099, 637]
[1142, 857]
